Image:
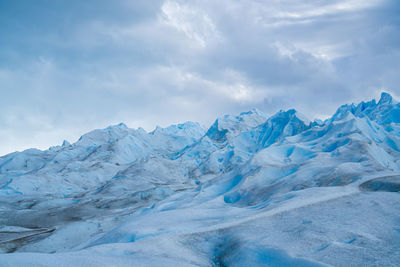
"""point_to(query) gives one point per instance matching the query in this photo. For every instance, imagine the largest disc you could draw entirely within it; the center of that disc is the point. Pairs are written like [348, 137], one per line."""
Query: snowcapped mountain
[248, 191]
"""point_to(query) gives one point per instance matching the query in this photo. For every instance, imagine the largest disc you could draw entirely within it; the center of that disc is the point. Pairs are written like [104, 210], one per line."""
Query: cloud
[66, 68]
[193, 22]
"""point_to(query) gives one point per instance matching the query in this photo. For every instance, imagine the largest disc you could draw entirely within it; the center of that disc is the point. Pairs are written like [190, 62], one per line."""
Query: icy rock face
[240, 193]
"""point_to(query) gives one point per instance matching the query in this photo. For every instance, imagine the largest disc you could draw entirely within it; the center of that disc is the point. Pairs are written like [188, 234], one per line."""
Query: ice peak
[235, 124]
[291, 114]
[65, 143]
[187, 128]
[342, 111]
[101, 136]
[386, 98]
[253, 111]
[117, 126]
[383, 112]
[285, 113]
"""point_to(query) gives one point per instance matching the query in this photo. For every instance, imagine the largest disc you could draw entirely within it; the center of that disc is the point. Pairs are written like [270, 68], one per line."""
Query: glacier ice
[251, 190]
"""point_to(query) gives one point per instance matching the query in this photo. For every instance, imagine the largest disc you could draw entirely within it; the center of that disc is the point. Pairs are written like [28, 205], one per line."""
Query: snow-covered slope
[249, 191]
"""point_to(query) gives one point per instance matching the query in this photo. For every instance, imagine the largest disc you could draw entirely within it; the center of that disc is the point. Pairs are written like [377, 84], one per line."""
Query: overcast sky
[67, 67]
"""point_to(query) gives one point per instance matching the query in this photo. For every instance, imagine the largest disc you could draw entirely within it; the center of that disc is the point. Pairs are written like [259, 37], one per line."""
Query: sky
[68, 67]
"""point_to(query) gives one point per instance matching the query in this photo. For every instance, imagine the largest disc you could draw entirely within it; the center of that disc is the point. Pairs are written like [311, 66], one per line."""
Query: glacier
[251, 190]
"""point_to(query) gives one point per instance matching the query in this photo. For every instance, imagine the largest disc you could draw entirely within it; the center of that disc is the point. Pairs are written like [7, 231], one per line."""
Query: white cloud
[316, 9]
[193, 22]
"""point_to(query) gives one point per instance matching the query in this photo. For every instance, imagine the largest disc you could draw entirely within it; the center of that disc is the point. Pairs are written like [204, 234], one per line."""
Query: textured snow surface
[251, 190]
